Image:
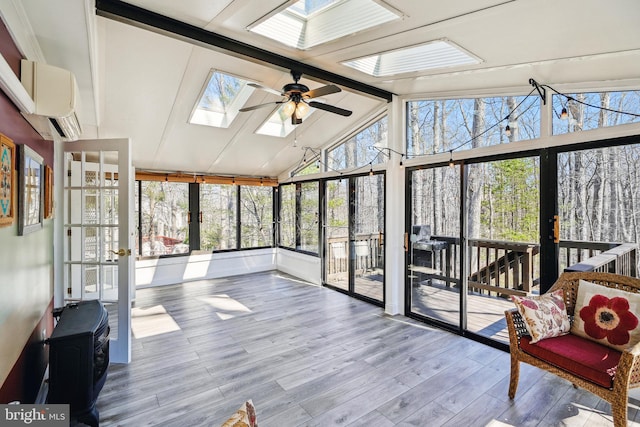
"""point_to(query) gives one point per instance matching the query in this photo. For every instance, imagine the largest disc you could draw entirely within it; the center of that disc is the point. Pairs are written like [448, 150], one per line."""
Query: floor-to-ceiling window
[354, 235]
[510, 206]
[433, 244]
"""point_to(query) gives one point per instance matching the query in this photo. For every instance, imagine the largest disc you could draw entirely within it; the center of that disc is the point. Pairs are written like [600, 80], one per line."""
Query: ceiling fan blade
[321, 91]
[330, 108]
[255, 107]
[268, 89]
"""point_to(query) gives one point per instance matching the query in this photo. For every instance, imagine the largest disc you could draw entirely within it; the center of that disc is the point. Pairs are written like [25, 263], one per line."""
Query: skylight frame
[293, 30]
[214, 117]
[366, 63]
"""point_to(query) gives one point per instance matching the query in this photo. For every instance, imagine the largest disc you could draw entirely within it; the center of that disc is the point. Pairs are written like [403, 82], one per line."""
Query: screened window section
[256, 214]
[218, 204]
[288, 216]
[164, 215]
[586, 111]
[309, 202]
[360, 150]
[439, 126]
[225, 217]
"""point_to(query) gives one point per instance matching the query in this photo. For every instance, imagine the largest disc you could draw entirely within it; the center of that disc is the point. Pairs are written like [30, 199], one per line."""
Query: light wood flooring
[310, 356]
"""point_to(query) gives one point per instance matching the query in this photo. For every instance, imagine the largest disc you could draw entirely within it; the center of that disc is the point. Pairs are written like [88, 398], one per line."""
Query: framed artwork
[30, 191]
[48, 192]
[7, 181]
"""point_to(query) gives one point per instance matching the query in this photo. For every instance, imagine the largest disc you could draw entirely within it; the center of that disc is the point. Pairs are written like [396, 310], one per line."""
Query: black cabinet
[79, 358]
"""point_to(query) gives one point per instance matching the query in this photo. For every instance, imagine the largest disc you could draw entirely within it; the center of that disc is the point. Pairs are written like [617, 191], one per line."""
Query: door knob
[122, 252]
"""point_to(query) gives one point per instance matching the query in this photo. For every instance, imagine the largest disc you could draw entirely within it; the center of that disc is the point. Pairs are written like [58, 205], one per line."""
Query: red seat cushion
[583, 358]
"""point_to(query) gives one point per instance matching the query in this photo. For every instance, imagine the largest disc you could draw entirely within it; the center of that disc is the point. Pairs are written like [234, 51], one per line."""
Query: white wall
[172, 270]
[305, 267]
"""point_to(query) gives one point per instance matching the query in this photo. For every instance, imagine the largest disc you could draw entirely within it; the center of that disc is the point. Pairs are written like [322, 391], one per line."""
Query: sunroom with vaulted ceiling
[454, 182]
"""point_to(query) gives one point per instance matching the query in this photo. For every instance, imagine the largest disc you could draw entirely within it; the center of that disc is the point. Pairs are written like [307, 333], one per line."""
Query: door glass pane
[434, 245]
[337, 233]
[599, 209]
[369, 230]
[503, 235]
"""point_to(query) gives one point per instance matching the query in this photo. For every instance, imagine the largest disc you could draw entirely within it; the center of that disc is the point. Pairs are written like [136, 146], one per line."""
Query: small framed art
[30, 191]
[7, 181]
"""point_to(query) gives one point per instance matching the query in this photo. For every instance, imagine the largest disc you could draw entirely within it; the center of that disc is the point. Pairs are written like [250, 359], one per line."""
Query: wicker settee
[621, 378]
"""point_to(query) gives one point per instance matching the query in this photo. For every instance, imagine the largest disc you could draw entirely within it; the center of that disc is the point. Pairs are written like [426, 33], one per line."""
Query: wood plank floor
[310, 356]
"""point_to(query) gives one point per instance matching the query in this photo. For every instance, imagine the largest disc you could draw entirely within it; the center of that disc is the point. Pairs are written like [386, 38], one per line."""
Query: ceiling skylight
[306, 8]
[279, 124]
[309, 23]
[221, 98]
[435, 54]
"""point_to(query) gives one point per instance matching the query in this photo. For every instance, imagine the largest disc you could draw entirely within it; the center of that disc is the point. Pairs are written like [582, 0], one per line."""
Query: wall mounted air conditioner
[55, 94]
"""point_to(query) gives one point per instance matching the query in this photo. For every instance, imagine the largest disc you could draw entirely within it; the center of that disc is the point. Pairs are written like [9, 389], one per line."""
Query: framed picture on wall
[7, 181]
[30, 191]
[48, 192]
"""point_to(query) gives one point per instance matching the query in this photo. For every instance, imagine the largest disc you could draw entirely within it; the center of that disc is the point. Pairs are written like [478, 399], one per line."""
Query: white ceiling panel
[147, 83]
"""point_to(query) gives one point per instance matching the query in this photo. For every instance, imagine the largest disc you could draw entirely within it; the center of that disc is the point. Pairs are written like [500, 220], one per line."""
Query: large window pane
[503, 220]
[369, 232]
[599, 205]
[288, 216]
[256, 216]
[164, 210]
[337, 233]
[585, 111]
[434, 244]
[461, 124]
[218, 204]
[309, 199]
[359, 150]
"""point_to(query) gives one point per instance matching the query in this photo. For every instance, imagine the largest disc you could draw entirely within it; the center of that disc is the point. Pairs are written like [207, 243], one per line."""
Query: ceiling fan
[297, 99]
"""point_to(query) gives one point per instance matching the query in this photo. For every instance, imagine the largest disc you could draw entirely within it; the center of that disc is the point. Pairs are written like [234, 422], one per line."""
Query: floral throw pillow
[545, 316]
[243, 417]
[608, 316]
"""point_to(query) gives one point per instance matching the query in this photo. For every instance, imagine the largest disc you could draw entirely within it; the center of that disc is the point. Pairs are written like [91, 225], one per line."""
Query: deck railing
[497, 267]
[367, 253]
[508, 268]
[501, 267]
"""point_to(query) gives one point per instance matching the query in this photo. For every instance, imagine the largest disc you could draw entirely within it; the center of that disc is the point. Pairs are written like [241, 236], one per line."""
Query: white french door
[98, 183]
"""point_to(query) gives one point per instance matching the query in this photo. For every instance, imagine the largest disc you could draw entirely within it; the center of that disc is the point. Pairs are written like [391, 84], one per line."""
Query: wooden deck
[310, 356]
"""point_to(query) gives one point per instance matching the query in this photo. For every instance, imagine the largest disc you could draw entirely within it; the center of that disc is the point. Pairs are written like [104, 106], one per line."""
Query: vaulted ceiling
[142, 82]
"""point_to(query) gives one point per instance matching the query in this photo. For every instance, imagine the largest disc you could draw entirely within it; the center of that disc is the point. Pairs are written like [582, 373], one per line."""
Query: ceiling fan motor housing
[293, 88]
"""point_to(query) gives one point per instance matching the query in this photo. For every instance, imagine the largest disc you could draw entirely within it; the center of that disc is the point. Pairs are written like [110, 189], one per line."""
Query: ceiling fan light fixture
[289, 108]
[302, 108]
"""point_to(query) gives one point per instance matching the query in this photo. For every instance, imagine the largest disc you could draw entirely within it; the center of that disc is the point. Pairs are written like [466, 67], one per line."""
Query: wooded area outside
[164, 220]
[361, 149]
[165, 211]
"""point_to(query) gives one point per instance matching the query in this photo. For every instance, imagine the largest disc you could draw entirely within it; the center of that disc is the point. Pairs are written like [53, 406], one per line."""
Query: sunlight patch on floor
[147, 322]
[225, 306]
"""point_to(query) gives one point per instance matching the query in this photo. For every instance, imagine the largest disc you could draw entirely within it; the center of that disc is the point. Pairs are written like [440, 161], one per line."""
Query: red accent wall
[23, 382]
[26, 375]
